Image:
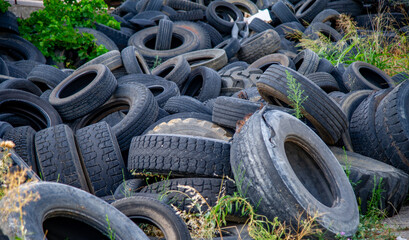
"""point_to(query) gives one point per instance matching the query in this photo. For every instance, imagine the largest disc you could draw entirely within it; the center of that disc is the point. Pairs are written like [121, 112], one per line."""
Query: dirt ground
[400, 223]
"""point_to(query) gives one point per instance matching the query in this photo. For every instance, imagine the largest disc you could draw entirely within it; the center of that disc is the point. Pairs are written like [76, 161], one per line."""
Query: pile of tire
[191, 94]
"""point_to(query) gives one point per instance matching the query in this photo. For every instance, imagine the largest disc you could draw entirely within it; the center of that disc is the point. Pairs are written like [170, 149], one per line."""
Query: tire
[164, 35]
[101, 157]
[325, 66]
[181, 104]
[100, 38]
[199, 31]
[111, 59]
[161, 89]
[361, 75]
[350, 102]
[209, 188]
[237, 79]
[142, 209]
[400, 77]
[3, 67]
[18, 164]
[211, 58]
[324, 80]
[36, 111]
[8, 22]
[48, 75]
[327, 15]
[189, 42]
[259, 45]
[193, 15]
[92, 85]
[362, 127]
[142, 112]
[203, 83]
[349, 7]
[185, 5]
[64, 211]
[367, 173]
[4, 127]
[283, 12]
[182, 116]
[192, 127]
[227, 111]
[231, 46]
[296, 160]
[21, 84]
[324, 114]
[129, 188]
[317, 29]
[310, 9]
[258, 25]
[276, 58]
[306, 62]
[176, 69]
[219, 23]
[154, 5]
[245, 6]
[216, 38]
[21, 48]
[57, 157]
[392, 127]
[133, 61]
[119, 38]
[290, 29]
[23, 138]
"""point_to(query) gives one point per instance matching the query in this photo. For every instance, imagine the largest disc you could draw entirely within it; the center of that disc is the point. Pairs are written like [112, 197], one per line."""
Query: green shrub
[4, 5]
[53, 28]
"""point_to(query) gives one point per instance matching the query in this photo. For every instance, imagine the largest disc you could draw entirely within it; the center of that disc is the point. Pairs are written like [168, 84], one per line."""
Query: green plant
[52, 30]
[110, 231]
[4, 6]
[295, 95]
[157, 62]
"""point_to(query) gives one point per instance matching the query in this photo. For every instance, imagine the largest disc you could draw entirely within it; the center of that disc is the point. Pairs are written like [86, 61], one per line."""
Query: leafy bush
[4, 6]
[53, 28]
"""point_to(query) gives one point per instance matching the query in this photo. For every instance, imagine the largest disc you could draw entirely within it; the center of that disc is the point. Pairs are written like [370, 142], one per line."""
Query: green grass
[295, 95]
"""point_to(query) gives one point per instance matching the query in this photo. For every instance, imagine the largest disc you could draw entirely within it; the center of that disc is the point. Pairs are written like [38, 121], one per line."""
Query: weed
[295, 95]
[151, 177]
[110, 231]
[4, 6]
[157, 62]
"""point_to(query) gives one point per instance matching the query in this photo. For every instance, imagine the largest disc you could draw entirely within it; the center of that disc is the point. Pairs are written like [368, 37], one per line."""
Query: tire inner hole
[373, 77]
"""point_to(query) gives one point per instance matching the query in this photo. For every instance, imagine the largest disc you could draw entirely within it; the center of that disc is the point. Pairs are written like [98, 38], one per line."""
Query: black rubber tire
[349, 7]
[180, 156]
[18, 164]
[247, 7]
[185, 104]
[21, 84]
[310, 9]
[209, 188]
[227, 111]
[325, 66]
[153, 5]
[327, 15]
[216, 38]
[119, 38]
[258, 25]
[8, 22]
[231, 46]
[23, 138]
[143, 209]
[129, 188]
[199, 31]
[276, 58]
[192, 127]
[142, 112]
[203, 83]
[324, 114]
[304, 177]
[362, 127]
[306, 62]
[3, 67]
[237, 78]
[143, 38]
[57, 157]
[222, 25]
[290, 29]
[241, 64]
[164, 35]
[314, 30]
[211, 58]
[15, 72]
[4, 127]
[36, 111]
[259, 45]
[324, 80]
[182, 116]
[361, 75]
[400, 77]
[66, 212]
[111, 59]
[100, 38]
[282, 12]
[83, 91]
[176, 69]
[48, 75]
[185, 5]
[392, 126]
[350, 102]
[193, 15]
[366, 174]
[19, 48]
[161, 89]
[133, 61]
